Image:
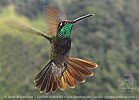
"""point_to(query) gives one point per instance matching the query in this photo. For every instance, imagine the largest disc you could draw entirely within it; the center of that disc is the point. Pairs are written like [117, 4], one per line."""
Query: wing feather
[53, 17]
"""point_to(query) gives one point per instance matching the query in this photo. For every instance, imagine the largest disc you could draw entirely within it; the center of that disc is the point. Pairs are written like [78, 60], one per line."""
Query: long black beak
[82, 17]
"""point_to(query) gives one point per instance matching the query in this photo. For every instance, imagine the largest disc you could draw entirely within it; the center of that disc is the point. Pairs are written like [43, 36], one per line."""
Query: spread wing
[53, 17]
[18, 24]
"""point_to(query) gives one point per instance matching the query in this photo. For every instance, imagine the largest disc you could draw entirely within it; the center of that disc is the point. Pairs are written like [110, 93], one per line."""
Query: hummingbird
[62, 69]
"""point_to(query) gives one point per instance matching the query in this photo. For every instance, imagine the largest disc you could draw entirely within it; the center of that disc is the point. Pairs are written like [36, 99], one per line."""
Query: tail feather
[51, 77]
[86, 63]
[62, 83]
[49, 84]
[54, 86]
[69, 79]
[42, 72]
[84, 70]
[40, 79]
[39, 82]
[46, 80]
[76, 73]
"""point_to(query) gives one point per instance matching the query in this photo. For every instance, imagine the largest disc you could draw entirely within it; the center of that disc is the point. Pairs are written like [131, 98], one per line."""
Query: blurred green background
[111, 38]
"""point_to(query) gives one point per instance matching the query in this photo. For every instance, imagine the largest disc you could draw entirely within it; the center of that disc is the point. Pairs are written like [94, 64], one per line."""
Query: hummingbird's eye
[61, 24]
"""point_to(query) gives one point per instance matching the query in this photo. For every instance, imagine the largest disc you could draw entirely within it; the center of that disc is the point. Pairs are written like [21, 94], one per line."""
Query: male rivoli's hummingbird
[62, 69]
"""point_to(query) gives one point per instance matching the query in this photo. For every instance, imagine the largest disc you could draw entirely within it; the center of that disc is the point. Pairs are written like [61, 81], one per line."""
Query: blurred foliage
[110, 38]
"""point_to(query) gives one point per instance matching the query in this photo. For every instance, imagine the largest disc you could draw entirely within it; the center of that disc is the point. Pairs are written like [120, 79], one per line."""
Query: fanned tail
[51, 77]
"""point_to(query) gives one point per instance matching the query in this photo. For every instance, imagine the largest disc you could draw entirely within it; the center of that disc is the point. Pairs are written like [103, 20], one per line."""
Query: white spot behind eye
[61, 24]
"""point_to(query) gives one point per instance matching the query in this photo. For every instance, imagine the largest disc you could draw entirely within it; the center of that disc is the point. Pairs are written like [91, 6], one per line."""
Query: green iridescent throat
[65, 31]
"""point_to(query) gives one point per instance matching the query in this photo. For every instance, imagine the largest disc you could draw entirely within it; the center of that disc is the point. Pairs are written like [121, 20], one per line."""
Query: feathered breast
[60, 48]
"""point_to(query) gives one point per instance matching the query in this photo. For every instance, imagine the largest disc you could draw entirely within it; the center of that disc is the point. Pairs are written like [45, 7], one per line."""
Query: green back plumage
[65, 31]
